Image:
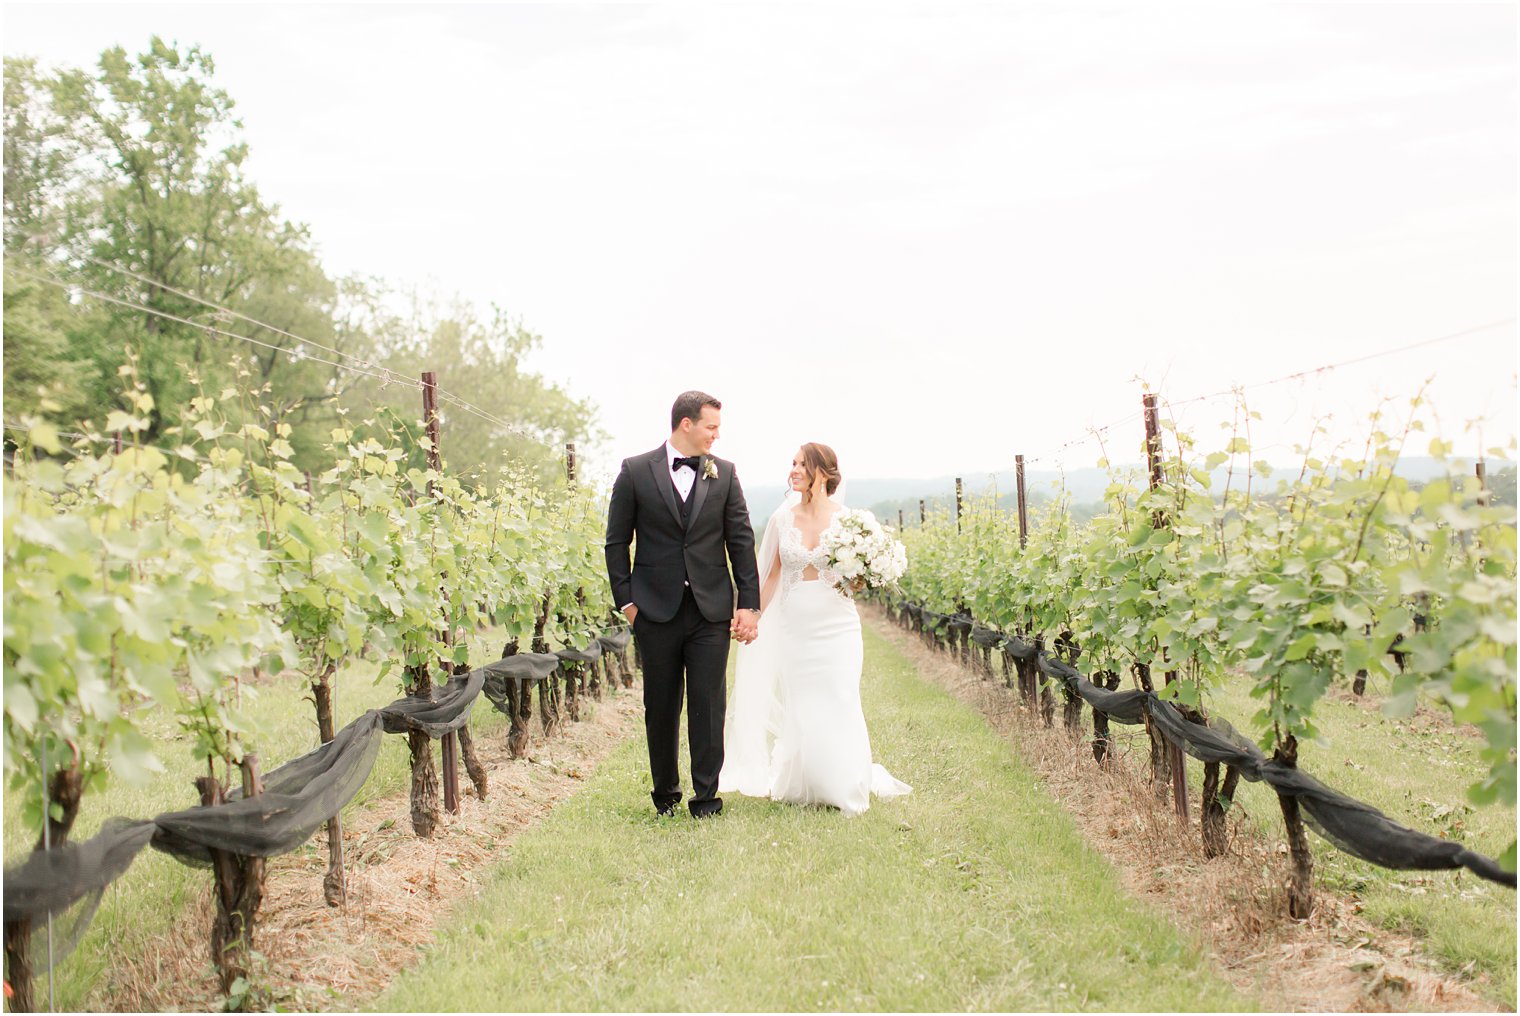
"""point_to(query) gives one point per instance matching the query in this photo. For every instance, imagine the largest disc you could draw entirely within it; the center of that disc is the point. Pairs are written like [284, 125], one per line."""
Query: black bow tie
[689, 460]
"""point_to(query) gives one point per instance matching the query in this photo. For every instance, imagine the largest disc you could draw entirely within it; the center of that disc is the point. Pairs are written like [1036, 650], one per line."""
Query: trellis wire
[385, 375]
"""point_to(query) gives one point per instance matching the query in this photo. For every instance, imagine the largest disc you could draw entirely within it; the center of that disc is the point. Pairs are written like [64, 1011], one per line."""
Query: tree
[127, 185]
[514, 417]
[42, 372]
[173, 209]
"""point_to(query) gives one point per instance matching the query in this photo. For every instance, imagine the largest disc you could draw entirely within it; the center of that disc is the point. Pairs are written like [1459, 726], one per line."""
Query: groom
[688, 511]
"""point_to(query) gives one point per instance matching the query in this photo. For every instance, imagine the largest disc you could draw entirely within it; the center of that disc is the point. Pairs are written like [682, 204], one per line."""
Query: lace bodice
[795, 558]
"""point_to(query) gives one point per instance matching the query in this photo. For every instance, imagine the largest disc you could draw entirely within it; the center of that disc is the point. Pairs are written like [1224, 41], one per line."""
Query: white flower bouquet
[863, 552]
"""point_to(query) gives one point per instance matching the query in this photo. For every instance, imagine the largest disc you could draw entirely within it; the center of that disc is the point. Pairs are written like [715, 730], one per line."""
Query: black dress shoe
[706, 810]
[666, 810]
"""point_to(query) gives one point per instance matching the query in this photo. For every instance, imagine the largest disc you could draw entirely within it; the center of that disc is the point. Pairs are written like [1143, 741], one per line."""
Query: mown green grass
[1417, 772]
[139, 909]
[975, 892]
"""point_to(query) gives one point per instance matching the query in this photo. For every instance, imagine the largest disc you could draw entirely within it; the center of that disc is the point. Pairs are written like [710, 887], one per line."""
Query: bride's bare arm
[771, 581]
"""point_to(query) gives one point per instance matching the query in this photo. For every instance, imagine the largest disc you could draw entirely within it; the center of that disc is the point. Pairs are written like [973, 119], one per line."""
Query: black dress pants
[686, 656]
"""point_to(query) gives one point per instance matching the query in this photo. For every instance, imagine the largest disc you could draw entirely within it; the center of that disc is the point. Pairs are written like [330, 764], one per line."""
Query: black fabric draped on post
[298, 798]
[1351, 825]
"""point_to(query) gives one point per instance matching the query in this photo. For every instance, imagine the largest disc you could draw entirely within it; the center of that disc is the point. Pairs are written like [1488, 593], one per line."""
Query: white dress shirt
[685, 478]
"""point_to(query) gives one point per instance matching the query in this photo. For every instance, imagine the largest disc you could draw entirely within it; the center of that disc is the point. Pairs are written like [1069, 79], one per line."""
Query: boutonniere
[709, 469]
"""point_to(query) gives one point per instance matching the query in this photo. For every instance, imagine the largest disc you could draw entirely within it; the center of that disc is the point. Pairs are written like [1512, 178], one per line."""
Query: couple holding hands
[794, 730]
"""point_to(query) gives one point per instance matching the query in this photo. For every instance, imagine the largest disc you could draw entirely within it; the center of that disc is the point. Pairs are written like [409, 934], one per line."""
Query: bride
[795, 731]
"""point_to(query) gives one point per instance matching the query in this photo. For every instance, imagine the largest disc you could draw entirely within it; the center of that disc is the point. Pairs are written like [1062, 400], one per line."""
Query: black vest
[685, 505]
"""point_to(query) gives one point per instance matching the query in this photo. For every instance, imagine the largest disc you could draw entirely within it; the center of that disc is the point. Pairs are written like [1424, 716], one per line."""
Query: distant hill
[1086, 486]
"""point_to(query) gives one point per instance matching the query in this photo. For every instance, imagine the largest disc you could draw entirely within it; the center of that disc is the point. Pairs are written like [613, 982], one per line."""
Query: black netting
[587, 655]
[66, 885]
[1019, 649]
[1119, 706]
[298, 798]
[1219, 743]
[520, 669]
[446, 711]
[987, 636]
[1365, 832]
[1351, 825]
[615, 642]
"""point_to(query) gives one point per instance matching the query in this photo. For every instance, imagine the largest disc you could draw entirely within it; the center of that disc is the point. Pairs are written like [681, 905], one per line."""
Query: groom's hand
[746, 626]
[630, 612]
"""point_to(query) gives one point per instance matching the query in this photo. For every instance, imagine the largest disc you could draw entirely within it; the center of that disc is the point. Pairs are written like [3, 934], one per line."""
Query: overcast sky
[932, 235]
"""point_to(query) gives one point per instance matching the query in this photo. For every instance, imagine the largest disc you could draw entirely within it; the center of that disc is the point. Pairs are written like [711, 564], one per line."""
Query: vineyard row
[169, 579]
[1339, 574]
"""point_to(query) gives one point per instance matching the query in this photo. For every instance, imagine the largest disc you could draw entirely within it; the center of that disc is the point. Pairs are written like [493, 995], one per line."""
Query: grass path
[976, 892]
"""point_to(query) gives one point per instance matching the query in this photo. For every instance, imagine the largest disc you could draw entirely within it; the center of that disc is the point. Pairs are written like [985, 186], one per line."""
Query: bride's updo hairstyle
[820, 460]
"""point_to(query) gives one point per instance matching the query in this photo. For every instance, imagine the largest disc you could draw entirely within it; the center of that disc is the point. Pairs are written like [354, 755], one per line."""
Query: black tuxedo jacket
[717, 534]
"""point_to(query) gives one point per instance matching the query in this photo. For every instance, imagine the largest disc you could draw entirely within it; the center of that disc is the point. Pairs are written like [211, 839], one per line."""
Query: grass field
[975, 892]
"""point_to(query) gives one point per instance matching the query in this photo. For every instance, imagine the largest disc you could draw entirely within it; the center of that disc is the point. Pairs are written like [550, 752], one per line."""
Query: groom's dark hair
[688, 406]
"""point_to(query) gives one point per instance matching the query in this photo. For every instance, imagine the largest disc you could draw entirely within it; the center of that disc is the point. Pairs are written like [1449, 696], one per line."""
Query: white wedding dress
[795, 731]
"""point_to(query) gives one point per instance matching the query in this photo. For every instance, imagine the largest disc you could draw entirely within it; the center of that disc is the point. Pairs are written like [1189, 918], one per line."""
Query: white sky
[932, 236]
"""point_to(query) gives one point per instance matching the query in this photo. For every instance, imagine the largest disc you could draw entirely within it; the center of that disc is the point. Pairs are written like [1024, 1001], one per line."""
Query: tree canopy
[133, 231]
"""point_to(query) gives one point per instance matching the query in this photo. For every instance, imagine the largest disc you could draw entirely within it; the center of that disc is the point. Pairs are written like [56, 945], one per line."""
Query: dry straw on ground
[317, 957]
[1234, 905]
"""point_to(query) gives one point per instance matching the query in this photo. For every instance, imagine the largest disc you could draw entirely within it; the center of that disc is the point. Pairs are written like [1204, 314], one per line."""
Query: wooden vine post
[923, 516]
[1023, 502]
[961, 635]
[424, 785]
[335, 881]
[448, 743]
[1177, 761]
[575, 671]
